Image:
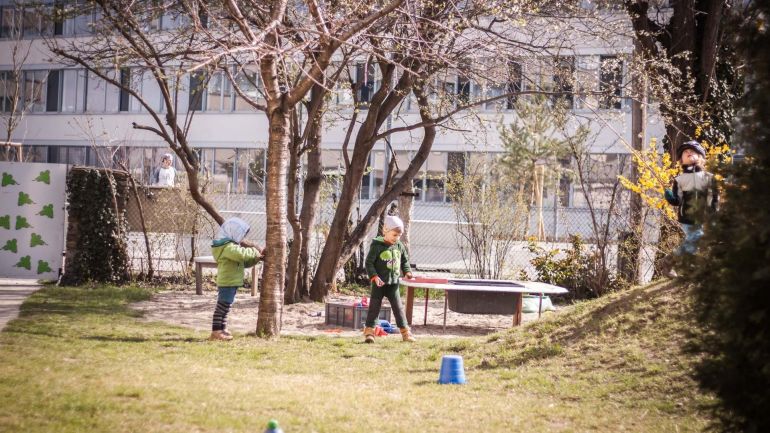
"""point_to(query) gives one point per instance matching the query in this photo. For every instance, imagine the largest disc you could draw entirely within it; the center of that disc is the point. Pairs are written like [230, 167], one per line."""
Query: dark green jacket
[231, 259]
[387, 261]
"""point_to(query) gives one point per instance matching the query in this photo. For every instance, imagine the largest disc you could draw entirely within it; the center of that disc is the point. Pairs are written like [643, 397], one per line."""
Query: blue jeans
[227, 294]
[692, 234]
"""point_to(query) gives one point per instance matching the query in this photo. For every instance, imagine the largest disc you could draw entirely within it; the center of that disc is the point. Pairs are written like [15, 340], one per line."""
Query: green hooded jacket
[232, 259]
[387, 261]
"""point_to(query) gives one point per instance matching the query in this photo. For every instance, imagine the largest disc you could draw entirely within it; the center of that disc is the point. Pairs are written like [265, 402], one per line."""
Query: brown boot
[220, 336]
[368, 335]
[406, 335]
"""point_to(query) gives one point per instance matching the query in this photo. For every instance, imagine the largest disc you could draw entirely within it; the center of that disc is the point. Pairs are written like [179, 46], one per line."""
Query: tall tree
[450, 38]
[331, 29]
[213, 36]
[681, 46]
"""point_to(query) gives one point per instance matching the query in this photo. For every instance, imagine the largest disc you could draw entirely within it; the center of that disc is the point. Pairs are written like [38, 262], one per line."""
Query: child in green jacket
[231, 260]
[386, 260]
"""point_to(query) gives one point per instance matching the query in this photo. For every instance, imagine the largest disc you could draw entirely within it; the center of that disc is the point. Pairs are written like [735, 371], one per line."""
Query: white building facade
[73, 117]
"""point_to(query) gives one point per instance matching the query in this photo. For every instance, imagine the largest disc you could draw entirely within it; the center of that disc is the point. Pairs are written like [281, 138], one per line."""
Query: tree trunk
[405, 181]
[327, 264]
[270, 301]
[405, 206]
[631, 242]
[539, 180]
[292, 270]
[691, 41]
[312, 193]
[385, 100]
[297, 285]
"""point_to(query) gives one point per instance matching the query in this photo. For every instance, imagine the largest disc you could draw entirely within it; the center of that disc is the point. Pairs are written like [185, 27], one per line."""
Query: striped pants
[225, 300]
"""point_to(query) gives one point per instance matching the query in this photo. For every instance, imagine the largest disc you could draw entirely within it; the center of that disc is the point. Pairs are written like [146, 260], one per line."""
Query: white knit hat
[392, 222]
[233, 228]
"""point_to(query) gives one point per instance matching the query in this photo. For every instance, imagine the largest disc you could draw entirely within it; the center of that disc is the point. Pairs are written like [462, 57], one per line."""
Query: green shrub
[732, 273]
[96, 211]
[580, 270]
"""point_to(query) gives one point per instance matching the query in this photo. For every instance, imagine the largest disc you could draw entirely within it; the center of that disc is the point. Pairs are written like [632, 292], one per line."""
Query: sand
[187, 309]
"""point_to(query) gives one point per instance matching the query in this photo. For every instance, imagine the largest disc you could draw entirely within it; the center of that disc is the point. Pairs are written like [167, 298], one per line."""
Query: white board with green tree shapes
[32, 197]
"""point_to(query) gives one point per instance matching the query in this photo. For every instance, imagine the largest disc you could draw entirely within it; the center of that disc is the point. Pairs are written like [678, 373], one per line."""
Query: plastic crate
[351, 317]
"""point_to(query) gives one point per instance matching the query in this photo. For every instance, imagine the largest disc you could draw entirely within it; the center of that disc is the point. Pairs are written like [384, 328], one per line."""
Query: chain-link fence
[178, 230]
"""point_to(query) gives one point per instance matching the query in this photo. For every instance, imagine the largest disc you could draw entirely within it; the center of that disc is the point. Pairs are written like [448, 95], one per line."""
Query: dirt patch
[185, 308]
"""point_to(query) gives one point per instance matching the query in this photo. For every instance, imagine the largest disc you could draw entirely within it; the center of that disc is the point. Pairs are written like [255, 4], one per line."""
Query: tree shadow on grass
[104, 300]
[130, 339]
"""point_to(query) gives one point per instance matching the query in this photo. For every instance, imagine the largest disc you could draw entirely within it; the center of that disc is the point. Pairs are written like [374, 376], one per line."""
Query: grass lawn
[80, 360]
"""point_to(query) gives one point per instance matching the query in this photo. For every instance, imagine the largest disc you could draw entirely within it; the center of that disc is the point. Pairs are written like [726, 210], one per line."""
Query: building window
[30, 22]
[125, 82]
[247, 81]
[77, 155]
[53, 91]
[514, 85]
[563, 80]
[218, 94]
[366, 181]
[7, 90]
[365, 80]
[172, 19]
[435, 175]
[9, 22]
[73, 90]
[34, 90]
[58, 20]
[101, 96]
[224, 170]
[151, 94]
[456, 163]
[463, 89]
[250, 171]
[378, 161]
[505, 82]
[197, 89]
[82, 22]
[610, 81]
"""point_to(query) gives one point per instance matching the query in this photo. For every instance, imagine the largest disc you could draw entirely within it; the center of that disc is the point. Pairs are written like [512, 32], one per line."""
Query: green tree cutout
[8, 179]
[36, 240]
[25, 263]
[5, 221]
[10, 245]
[43, 267]
[24, 199]
[44, 176]
[22, 223]
[47, 211]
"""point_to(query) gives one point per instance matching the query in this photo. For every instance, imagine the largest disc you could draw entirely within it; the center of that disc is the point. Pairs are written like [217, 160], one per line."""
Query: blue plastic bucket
[452, 371]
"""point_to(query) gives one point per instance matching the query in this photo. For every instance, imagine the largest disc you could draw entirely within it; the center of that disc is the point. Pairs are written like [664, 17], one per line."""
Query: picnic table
[209, 262]
[518, 288]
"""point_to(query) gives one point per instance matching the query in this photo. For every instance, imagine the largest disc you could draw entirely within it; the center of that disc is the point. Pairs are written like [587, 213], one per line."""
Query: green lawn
[79, 360]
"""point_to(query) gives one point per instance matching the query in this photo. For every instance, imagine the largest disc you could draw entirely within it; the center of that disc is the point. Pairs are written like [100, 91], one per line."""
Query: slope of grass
[79, 360]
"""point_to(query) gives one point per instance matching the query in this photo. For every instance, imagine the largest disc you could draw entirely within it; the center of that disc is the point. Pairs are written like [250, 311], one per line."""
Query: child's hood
[381, 241]
[232, 230]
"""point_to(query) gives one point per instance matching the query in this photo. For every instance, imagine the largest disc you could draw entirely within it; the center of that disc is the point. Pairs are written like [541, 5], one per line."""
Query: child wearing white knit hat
[386, 260]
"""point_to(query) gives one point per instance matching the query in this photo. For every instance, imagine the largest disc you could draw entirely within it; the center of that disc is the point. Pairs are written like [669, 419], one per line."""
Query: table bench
[209, 262]
[518, 288]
